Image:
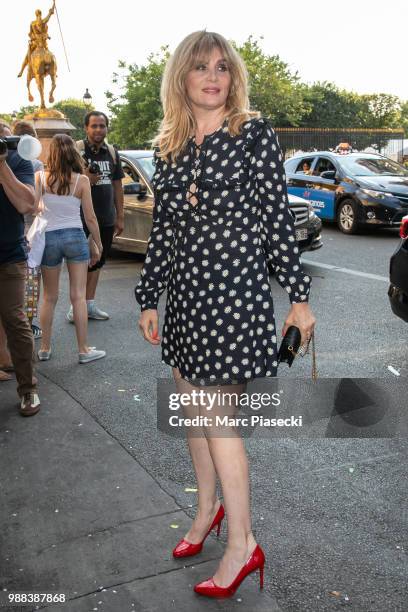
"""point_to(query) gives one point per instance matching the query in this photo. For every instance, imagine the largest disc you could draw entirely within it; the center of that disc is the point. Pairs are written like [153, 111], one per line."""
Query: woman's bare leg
[50, 297]
[77, 292]
[228, 454]
[208, 502]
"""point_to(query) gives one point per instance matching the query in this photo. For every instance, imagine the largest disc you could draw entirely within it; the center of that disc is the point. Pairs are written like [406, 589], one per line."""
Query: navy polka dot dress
[212, 255]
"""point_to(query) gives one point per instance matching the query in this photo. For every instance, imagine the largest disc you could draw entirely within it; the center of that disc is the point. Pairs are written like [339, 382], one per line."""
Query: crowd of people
[79, 197]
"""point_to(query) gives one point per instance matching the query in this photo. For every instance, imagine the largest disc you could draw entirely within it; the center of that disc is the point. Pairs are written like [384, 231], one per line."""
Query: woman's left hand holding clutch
[301, 316]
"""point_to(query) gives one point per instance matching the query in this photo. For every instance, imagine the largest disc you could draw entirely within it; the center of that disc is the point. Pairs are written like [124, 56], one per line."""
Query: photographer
[33, 284]
[105, 174]
[16, 199]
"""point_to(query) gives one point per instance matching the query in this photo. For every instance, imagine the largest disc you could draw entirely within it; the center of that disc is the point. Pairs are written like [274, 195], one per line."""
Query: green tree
[403, 117]
[75, 110]
[331, 107]
[136, 110]
[380, 111]
[6, 117]
[26, 110]
[274, 90]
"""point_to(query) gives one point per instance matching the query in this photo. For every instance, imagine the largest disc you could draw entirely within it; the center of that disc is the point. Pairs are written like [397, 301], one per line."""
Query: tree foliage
[136, 110]
[274, 90]
[26, 110]
[75, 110]
[403, 118]
[330, 107]
[6, 117]
[381, 111]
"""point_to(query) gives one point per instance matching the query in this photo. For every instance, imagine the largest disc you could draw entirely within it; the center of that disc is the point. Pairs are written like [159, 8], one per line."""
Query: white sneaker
[91, 355]
[96, 313]
[44, 355]
[70, 315]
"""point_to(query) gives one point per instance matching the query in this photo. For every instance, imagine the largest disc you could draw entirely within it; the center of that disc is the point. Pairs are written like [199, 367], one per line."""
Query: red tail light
[404, 227]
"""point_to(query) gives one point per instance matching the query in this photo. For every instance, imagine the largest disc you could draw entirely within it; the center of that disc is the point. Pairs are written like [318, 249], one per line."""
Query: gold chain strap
[314, 364]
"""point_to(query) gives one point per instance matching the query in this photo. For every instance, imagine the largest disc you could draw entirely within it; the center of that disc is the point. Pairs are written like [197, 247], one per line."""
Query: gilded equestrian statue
[39, 60]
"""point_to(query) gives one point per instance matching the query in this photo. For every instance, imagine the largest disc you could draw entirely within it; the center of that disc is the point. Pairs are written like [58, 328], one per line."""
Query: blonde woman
[220, 213]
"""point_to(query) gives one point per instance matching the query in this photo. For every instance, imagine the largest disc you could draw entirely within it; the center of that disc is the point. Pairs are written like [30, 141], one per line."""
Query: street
[330, 513]
[358, 334]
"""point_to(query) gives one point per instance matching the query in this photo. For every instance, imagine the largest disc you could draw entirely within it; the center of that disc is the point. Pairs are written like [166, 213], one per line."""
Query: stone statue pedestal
[47, 123]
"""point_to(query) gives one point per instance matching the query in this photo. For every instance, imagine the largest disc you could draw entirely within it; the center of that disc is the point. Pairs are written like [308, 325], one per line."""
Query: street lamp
[87, 98]
[14, 115]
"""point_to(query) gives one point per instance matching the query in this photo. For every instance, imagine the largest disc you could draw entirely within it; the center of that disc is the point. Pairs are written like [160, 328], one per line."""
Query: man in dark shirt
[16, 199]
[107, 198]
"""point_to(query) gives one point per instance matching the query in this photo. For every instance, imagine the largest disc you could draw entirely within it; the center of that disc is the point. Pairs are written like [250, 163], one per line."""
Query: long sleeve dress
[212, 256]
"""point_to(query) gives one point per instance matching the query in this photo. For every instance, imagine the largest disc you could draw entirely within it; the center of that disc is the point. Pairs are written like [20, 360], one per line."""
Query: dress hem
[220, 382]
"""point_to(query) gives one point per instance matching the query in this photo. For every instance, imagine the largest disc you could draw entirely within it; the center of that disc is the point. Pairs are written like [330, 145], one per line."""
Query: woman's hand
[93, 178]
[95, 252]
[302, 317]
[149, 325]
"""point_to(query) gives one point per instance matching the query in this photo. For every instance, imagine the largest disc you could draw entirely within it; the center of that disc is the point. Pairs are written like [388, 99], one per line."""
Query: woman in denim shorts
[60, 193]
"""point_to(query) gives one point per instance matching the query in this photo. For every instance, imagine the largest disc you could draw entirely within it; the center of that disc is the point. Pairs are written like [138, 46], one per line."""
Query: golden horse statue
[39, 60]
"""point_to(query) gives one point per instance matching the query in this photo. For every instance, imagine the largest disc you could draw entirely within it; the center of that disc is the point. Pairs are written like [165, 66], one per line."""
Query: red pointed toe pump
[187, 549]
[255, 561]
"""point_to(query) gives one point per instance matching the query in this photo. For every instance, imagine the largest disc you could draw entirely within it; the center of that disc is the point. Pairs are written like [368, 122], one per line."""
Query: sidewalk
[80, 516]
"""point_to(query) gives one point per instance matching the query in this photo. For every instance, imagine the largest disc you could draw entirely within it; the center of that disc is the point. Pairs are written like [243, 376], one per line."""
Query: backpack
[80, 145]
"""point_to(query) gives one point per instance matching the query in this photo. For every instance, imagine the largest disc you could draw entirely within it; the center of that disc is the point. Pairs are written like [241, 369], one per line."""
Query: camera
[93, 168]
[8, 143]
[27, 147]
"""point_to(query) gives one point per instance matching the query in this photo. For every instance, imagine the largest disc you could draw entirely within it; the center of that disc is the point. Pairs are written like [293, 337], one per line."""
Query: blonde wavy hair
[178, 123]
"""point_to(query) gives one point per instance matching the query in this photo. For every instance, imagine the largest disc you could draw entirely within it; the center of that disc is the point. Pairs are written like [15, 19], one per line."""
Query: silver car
[138, 167]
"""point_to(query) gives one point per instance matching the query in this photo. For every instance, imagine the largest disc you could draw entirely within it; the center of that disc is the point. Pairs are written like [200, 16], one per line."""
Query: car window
[147, 163]
[372, 165]
[304, 166]
[324, 164]
[290, 165]
[130, 175]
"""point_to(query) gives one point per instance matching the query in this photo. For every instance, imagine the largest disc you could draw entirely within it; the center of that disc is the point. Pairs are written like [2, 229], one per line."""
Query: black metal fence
[389, 142]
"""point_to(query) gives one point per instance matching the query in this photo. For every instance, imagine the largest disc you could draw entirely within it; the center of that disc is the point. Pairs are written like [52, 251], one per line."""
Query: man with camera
[16, 199]
[105, 174]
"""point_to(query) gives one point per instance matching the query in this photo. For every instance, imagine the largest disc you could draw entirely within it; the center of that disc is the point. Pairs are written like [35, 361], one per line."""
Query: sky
[358, 44]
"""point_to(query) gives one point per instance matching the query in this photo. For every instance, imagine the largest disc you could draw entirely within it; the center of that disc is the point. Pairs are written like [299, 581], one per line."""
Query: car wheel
[347, 217]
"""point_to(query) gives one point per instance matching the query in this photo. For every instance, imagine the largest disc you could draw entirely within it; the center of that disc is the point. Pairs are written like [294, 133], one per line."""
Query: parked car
[398, 289]
[138, 167]
[353, 190]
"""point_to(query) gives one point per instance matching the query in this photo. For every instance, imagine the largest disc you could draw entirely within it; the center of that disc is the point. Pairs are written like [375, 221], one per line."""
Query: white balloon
[29, 148]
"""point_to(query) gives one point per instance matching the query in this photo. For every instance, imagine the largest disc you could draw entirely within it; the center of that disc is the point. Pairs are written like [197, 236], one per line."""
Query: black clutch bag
[290, 345]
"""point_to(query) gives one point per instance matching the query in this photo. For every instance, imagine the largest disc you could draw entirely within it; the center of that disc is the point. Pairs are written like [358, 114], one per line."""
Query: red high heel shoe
[255, 561]
[187, 549]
